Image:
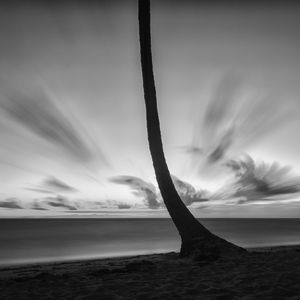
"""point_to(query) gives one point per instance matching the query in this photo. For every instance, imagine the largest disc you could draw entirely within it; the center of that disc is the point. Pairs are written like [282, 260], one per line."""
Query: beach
[262, 273]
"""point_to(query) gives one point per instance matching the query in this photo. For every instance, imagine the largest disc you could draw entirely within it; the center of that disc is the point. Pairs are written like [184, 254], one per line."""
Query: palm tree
[194, 236]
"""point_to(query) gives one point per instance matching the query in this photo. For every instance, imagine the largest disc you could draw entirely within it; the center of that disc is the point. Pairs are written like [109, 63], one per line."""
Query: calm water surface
[39, 240]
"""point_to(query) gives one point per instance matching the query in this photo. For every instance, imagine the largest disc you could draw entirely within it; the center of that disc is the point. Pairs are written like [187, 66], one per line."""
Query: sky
[72, 117]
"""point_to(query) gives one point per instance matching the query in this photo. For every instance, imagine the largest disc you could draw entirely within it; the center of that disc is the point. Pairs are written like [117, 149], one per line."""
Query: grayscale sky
[72, 117]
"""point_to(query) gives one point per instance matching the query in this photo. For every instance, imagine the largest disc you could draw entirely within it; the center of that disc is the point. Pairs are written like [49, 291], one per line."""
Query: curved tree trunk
[194, 236]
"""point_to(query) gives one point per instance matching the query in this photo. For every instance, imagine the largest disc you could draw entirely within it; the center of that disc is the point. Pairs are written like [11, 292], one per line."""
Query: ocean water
[43, 240]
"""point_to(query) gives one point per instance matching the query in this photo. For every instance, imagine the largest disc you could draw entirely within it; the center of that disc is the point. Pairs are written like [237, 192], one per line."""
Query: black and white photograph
[149, 150]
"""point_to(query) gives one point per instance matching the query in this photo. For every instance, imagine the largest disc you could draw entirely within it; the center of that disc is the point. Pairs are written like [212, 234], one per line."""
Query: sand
[269, 273]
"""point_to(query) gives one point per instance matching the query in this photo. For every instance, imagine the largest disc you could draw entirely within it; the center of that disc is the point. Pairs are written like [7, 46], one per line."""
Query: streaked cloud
[260, 181]
[151, 195]
[52, 185]
[37, 206]
[38, 190]
[124, 206]
[188, 193]
[140, 188]
[60, 202]
[35, 111]
[12, 203]
[236, 116]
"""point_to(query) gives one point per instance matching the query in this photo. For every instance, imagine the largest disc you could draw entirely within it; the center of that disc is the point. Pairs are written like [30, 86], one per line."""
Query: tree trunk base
[209, 248]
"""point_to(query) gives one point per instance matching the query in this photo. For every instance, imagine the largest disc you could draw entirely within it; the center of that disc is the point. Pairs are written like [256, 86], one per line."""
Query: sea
[24, 241]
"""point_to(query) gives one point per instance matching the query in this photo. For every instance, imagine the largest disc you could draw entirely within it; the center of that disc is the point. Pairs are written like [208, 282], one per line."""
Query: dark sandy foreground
[270, 274]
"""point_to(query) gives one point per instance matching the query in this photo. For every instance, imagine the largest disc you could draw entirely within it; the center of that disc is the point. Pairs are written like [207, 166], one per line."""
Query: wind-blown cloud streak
[36, 112]
[257, 181]
[38, 206]
[60, 202]
[151, 195]
[52, 185]
[234, 119]
[188, 193]
[253, 182]
[141, 189]
[10, 203]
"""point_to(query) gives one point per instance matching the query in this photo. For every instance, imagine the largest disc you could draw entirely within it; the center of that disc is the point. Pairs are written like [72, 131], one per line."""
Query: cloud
[10, 203]
[60, 201]
[235, 117]
[256, 181]
[38, 190]
[36, 112]
[140, 188]
[108, 204]
[124, 206]
[151, 195]
[216, 123]
[188, 193]
[52, 185]
[37, 206]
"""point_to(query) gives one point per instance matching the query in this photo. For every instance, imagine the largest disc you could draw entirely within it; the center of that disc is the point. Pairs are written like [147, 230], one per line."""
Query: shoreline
[264, 273]
[117, 257]
[274, 248]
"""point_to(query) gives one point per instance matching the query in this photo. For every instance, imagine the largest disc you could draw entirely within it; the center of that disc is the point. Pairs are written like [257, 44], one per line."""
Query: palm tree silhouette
[195, 238]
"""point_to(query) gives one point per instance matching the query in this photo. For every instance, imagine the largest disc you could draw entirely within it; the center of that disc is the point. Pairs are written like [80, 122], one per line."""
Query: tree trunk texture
[196, 239]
